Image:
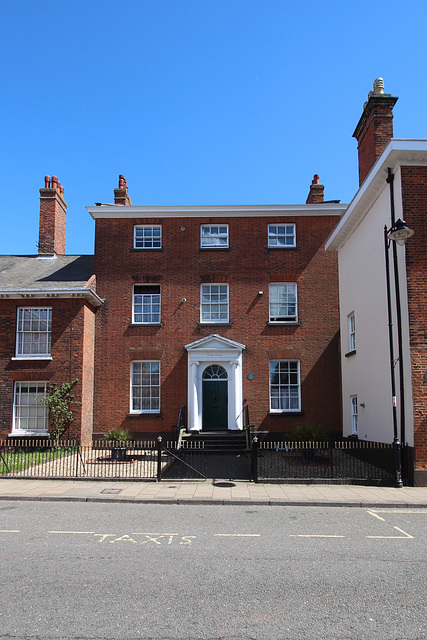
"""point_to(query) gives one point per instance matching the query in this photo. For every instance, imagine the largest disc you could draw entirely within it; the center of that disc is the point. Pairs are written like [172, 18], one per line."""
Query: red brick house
[213, 308]
[47, 314]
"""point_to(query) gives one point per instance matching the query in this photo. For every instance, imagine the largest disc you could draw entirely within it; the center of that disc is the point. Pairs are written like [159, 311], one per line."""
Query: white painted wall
[363, 291]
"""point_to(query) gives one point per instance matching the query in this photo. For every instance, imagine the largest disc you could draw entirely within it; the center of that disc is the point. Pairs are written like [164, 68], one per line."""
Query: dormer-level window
[147, 237]
[33, 332]
[214, 236]
[281, 236]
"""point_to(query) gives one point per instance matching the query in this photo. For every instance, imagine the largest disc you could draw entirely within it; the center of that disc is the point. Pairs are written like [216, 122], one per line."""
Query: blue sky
[194, 101]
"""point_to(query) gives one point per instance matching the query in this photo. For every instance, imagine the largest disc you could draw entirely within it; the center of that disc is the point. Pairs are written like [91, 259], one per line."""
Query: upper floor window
[33, 332]
[145, 387]
[146, 304]
[214, 303]
[147, 237]
[30, 413]
[214, 236]
[281, 235]
[351, 332]
[283, 302]
[285, 392]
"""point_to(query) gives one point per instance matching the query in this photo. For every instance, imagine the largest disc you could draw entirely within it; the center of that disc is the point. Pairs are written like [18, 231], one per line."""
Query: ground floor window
[29, 411]
[145, 387]
[354, 415]
[285, 388]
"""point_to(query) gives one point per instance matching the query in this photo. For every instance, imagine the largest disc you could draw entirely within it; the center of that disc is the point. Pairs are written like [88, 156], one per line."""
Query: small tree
[59, 399]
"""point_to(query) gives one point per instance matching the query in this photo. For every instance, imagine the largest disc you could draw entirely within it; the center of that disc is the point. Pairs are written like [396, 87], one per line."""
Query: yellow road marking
[10, 531]
[314, 535]
[371, 513]
[238, 535]
[391, 510]
[404, 537]
[74, 532]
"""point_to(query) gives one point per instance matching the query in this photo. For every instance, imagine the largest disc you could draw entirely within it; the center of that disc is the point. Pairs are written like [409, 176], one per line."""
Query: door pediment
[214, 342]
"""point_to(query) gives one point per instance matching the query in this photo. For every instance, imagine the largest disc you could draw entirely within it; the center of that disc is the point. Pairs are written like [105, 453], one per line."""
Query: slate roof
[44, 274]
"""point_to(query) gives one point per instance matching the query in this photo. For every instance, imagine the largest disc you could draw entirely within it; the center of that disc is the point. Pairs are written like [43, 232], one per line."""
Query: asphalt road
[124, 572]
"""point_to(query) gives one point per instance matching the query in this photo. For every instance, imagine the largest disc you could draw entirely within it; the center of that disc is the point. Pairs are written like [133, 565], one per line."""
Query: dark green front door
[215, 405]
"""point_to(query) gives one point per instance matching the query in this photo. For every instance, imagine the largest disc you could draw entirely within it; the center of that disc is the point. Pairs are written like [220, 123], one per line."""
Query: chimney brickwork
[375, 127]
[121, 195]
[53, 213]
[315, 195]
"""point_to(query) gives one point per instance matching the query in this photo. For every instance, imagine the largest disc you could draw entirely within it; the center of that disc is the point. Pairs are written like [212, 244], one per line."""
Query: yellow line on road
[314, 535]
[371, 513]
[74, 532]
[238, 535]
[10, 531]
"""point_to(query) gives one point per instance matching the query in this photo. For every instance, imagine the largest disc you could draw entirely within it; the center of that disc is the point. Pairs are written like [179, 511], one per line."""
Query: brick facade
[247, 266]
[72, 342]
[414, 201]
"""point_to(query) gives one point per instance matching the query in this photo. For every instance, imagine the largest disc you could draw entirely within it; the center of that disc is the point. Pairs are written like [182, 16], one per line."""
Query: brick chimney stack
[315, 194]
[121, 195]
[375, 127]
[53, 212]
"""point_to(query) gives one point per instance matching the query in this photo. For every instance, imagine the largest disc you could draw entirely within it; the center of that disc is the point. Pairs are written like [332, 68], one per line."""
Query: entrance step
[216, 441]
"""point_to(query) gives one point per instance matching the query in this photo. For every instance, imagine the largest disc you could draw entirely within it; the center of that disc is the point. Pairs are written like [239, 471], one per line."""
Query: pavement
[212, 492]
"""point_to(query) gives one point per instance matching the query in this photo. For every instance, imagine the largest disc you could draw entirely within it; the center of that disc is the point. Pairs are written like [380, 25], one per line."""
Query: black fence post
[254, 459]
[159, 458]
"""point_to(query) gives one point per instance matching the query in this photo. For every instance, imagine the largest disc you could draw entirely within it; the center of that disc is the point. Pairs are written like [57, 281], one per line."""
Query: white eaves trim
[234, 211]
[88, 294]
[397, 153]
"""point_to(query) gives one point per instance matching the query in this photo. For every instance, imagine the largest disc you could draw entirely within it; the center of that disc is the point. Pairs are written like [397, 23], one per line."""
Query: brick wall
[72, 341]
[248, 267]
[414, 200]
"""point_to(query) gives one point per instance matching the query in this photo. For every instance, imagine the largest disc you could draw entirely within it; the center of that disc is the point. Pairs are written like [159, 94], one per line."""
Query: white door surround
[211, 350]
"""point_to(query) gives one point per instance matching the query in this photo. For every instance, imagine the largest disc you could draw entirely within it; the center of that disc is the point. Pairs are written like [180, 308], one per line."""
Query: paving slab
[215, 491]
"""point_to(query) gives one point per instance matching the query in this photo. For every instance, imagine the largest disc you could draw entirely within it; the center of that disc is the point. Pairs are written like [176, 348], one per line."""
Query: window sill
[26, 358]
[214, 249]
[285, 413]
[145, 324]
[141, 414]
[138, 249]
[214, 324]
[291, 323]
[350, 353]
[281, 248]
[34, 433]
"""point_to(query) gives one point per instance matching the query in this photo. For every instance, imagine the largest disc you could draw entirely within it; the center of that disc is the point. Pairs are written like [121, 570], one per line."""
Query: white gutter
[88, 294]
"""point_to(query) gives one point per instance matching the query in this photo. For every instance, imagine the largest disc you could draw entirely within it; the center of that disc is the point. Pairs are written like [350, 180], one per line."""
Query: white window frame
[148, 305]
[282, 236]
[29, 329]
[151, 385]
[214, 236]
[285, 386]
[351, 320]
[283, 294]
[354, 415]
[147, 241]
[33, 409]
[212, 295]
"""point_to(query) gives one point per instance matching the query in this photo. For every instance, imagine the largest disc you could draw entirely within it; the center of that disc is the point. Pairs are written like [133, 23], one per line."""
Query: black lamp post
[398, 233]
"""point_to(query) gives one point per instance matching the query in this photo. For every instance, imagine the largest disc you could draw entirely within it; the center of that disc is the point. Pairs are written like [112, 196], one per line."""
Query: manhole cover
[224, 484]
[112, 491]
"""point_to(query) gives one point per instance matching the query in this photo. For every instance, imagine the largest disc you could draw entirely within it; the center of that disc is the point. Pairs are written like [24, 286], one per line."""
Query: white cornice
[397, 153]
[88, 294]
[234, 211]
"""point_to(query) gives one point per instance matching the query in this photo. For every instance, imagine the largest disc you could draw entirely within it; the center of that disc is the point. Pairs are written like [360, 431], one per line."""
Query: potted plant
[119, 439]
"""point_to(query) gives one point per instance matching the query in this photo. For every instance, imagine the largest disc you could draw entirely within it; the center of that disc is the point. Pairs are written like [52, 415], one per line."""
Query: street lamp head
[399, 232]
